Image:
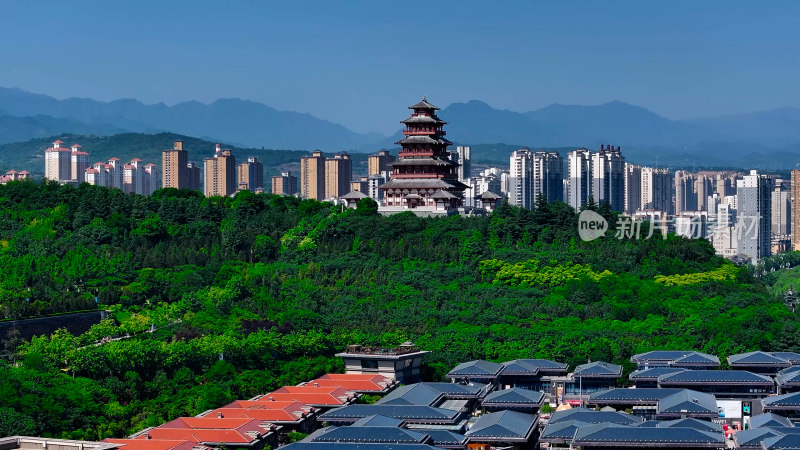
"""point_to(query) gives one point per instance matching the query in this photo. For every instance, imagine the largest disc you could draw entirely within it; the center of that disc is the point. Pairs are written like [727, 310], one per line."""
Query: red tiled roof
[135, 159]
[58, 142]
[156, 444]
[200, 435]
[128, 166]
[80, 153]
[353, 382]
[113, 159]
[264, 403]
[24, 171]
[325, 396]
[265, 414]
[149, 165]
[213, 422]
[12, 171]
[90, 170]
[75, 145]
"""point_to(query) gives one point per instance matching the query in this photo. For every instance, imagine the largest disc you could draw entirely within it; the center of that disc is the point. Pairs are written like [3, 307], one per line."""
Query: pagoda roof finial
[424, 99]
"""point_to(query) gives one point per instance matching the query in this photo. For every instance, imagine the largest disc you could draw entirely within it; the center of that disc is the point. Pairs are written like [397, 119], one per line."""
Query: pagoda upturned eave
[424, 105]
[423, 119]
[424, 139]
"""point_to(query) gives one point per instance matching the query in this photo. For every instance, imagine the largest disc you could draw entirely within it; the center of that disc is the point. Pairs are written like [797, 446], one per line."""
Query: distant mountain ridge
[233, 120]
[763, 139]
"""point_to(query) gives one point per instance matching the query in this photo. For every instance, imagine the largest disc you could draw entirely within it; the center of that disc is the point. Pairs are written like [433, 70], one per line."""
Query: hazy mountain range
[767, 139]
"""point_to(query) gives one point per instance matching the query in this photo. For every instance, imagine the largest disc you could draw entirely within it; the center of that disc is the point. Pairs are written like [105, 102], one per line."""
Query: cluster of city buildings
[219, 175]
[71, 165]
[673, 399]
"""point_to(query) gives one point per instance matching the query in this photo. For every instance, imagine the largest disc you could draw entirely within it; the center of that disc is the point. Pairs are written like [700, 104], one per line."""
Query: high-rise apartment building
[781, 208]
[379, 163]
[195, 174]
[338, 173]
[579, 183]
[174, 166]
[795, 210]
[520, 178]
[548, 176]
[151, 179]
[251, 174]
[754, 215]
[220, 173]
[656, 189]
[312, 176]
[703, 187]
[633, 188]
[608, 177]
[57, 162]
[79, 162]
[685, 195]
[463, 156]
[285, 184]
[360, 185]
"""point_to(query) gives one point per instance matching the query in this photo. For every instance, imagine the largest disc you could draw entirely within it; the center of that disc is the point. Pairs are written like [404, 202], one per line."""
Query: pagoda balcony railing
[423, 133]
[417, 175]
[413, 153]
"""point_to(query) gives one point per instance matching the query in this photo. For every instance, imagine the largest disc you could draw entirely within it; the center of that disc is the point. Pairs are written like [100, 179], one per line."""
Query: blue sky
[360, 63]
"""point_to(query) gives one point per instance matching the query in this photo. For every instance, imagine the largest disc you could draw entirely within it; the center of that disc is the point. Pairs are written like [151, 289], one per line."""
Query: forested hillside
[253, 292]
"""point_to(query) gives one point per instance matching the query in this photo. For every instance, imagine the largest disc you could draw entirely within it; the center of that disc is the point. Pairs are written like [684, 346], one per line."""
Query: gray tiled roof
[692, 423]
[789, 376]
[560, 431]
[423, 119]
[529, 366]
[598, 369]
[370, 435]
[757, 359]
[477, 368]
[688, 402]
[659, 355]
[427, 394]
[377, 421]
[423, 183]
[769, 420]
[427, 161]
[440, 194]
[503, 425]
[785, 401]
[445, 437]
[676, 358]
[354, 195]
[412, 413]
[514, 397]
[423, 104]
[631, 396]
[592, 416]
[753, 437]
[354, 446]
[696, 359]
[423, 140]
[622, 436]
[731, 377]
[792, 357]
[489, 195]
[788, 441]
[652, 374]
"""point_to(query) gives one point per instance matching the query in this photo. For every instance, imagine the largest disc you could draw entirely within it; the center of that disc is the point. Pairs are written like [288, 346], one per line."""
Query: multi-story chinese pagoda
[423, 174]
